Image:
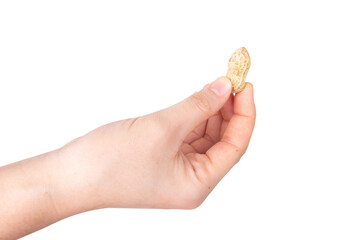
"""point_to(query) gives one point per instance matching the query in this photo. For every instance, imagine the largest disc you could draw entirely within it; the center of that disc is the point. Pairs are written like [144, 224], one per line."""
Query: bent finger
[228, 151]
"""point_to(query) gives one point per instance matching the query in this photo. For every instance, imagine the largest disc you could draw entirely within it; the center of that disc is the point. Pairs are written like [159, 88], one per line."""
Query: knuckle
[132, 122]
[201, 102]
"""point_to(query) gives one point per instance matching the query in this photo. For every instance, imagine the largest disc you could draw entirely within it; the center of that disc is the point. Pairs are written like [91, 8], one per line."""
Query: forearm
[37, 192]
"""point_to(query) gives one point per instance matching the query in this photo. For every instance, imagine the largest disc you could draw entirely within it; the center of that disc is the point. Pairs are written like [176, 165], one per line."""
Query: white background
[67, 67]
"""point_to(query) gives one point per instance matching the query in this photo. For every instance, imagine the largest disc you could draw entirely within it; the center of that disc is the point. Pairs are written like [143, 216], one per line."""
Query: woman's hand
[168, 159]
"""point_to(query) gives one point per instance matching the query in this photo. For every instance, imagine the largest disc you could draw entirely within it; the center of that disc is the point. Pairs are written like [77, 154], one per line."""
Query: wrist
[41, 190]
[28, 192]
[73, 190]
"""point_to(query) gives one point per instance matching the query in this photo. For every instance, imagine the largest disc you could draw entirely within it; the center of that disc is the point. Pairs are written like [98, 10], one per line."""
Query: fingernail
[220, 86]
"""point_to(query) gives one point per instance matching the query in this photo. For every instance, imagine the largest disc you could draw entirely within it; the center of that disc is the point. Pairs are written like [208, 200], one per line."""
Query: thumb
[189, 113]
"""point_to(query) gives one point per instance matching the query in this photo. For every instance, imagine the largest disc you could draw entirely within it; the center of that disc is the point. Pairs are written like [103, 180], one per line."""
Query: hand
[168, 159]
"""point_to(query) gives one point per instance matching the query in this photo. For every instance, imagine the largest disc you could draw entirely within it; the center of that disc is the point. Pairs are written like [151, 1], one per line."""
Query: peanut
[238, 67]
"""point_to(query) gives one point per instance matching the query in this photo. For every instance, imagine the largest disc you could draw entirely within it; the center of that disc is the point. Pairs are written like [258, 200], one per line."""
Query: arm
[34, 193]
[168, 159]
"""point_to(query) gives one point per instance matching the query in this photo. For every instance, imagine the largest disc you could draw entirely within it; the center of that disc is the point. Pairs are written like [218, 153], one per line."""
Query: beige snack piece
[238, 67]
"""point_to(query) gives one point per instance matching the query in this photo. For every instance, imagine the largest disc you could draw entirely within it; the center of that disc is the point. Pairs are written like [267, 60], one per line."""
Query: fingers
[197, 133]
[213, 128]
[227, 152]
[202, 145]
[189, 113]
[208, 137]
[228, 109]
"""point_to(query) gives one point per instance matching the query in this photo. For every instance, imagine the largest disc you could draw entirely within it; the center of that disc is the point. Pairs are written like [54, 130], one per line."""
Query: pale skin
[172, 158]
